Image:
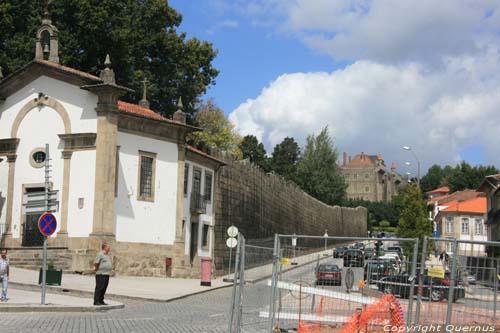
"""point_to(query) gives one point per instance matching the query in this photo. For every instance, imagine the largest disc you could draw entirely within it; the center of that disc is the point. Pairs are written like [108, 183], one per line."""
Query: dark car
[354, 257]
[396, 249]
[376, 270]
[359, 245]
[436, 289]
[339, 251]
[330, 274]
[370, 252]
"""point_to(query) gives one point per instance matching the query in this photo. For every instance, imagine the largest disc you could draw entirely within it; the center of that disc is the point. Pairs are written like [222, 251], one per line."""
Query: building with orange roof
[368, 178]
[120, 172]
[490, 186]
[464, 220]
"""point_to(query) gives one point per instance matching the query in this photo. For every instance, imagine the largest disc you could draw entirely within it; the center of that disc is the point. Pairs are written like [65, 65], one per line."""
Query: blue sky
[379, 74]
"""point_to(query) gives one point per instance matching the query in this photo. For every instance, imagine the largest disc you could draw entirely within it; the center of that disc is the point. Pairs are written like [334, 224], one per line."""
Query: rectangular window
[208, 186]
[449, 225]
[465, 226]
[206, 236]
[146, 176]
[186, 179]
[197, 181]
[117, 169]
[479, 227]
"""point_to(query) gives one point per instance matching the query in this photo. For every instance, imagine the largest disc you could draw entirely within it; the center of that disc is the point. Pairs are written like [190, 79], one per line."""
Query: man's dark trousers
[101, 284]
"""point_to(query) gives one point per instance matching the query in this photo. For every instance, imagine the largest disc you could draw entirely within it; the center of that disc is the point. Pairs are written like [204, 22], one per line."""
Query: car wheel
[388, 289]
[436, 295]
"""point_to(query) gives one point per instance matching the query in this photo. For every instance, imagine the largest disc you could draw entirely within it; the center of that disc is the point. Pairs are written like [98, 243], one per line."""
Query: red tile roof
[444, 189]
[140, 111]
[67, 69]
[199, 152]
[361, 160]
[456, 196]
[475, 205]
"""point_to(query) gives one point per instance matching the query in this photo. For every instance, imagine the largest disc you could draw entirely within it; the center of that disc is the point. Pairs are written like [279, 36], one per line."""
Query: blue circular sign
[47, 224]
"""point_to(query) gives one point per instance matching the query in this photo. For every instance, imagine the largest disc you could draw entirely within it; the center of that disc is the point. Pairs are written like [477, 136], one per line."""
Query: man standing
[4, 274]
[102, 268]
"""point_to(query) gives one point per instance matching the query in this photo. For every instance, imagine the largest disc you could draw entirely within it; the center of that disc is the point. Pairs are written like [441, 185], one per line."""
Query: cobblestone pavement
[201, 313]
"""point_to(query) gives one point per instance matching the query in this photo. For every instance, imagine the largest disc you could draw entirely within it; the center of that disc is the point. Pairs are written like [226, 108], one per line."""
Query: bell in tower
[47, 45]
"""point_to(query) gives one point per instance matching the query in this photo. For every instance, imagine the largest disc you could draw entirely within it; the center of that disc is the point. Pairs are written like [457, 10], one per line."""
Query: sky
[380, 74]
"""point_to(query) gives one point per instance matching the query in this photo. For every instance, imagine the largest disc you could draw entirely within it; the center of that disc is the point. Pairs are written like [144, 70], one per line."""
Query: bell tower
[47, 45]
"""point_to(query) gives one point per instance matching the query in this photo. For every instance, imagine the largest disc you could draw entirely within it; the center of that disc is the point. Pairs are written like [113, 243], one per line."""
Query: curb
[58, 308]
[90, 294]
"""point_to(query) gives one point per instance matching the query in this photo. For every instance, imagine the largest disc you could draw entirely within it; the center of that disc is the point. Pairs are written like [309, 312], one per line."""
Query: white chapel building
[123, 174]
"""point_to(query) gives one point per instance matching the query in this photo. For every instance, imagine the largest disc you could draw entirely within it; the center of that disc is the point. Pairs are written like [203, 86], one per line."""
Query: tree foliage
[254, 150]
[285, 158]
[378, 211]
[140, 36]
[218, 132]
[413, 221]
[317, 170]
[461, 177]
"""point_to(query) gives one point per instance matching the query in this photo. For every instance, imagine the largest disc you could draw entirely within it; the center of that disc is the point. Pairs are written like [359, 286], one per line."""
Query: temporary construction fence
[463, 281]
[297, 290]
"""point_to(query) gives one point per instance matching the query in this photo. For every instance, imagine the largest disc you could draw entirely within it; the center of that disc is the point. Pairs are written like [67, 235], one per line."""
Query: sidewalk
[76, 291]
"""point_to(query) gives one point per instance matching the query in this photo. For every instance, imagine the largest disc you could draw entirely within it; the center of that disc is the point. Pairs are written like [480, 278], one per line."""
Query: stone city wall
[261, 205]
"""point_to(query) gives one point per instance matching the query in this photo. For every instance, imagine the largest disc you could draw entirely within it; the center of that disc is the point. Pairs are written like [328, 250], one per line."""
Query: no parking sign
[47, 224]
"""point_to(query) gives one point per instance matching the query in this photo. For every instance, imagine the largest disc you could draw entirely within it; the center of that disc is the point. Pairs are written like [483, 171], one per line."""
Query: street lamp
[418, 163]
[408, 174]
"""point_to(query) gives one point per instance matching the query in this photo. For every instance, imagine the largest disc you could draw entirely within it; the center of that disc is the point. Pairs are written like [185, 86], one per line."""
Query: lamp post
[418, 162]
[326, 242]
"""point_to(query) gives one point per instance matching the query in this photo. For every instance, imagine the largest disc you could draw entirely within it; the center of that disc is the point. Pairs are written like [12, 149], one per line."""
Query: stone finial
[46, 13]
[144, 101]
[107, 74]
[180, 115]
[393, 167]
[1, 74]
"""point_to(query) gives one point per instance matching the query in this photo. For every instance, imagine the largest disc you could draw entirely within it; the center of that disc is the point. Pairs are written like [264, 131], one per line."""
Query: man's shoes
[100, 303]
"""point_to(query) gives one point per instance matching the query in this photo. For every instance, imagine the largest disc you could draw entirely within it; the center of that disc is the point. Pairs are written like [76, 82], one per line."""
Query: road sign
[231, 242]
[232, 231]
[53, 207]
[436, 272]
[47, 224]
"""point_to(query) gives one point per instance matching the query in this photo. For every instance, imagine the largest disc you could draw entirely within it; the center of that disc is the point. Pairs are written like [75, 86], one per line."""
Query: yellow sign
[284, 261]
[436, 272]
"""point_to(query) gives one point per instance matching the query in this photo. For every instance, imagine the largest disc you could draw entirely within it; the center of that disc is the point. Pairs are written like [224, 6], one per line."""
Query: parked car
[330, 274]
[354, 257]
[436, 289]
[370, 252]
[377, 269]
[470, 278]
[359, 245]
[339, 251]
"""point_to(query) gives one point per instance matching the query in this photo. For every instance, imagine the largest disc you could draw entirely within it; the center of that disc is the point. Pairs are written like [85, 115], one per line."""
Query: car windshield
[328, 268]
[353, 252]
[374, 265]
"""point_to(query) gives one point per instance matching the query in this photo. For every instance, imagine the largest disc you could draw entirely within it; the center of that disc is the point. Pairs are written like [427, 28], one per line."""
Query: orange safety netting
[385, 311]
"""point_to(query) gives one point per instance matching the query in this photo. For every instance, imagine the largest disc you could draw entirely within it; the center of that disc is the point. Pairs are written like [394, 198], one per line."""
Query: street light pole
[418, 162]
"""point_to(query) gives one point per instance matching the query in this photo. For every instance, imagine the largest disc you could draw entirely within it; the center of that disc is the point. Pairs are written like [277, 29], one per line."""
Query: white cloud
[422, 73]
[222, 25]
[377, 108]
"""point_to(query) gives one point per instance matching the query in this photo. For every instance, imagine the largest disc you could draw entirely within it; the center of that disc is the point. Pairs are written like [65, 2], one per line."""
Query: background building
[368, 178]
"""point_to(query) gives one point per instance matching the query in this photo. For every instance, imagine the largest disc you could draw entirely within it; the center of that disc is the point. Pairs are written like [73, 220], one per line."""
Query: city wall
[261, 205]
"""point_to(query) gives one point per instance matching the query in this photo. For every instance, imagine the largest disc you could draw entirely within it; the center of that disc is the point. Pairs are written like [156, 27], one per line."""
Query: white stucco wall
[144, 221]
[79, 104]
[4, 171]
[207, 218]
[42, 125]
[82, 183]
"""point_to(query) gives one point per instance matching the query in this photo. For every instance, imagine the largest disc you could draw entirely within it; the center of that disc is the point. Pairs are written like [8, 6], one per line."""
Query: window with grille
[479, 227]
[449, 225]
[208, 186]
[186, 179]
[146, 176]
[465, 226]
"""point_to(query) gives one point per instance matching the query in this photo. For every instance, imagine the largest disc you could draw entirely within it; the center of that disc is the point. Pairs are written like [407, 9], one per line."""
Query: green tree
[252, 149]
[140, 36]
[218, 132]
[432, 180]
[317, 170]
[284, 159]
[413, 222]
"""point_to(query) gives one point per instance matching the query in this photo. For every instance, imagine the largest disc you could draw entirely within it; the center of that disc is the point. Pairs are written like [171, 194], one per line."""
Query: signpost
[47, 223]
[231, 242]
